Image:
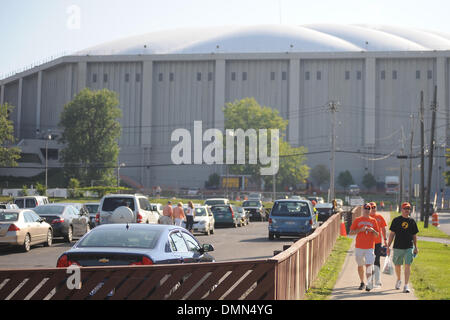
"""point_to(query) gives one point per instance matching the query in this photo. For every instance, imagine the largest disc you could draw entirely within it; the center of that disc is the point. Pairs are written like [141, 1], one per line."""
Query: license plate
[290, 223]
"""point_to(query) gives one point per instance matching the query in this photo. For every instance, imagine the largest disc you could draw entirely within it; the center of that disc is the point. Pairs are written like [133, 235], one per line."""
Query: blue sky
[36, 30]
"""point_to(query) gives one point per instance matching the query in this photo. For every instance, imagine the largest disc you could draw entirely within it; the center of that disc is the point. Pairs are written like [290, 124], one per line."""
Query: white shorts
[364, 256]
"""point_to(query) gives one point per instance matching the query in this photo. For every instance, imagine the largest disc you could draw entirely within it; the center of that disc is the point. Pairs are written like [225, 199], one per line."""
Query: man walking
[167, 217]
[366, 230]
[404, 230]
[382, 234]
[178, 214]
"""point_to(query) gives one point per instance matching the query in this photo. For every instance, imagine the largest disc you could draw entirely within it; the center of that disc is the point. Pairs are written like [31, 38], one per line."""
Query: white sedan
[203, 220]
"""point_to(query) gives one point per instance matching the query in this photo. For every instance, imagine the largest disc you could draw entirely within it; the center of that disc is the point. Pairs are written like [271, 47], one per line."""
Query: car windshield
[213, 202]
[111, 204]
[8, 217]
[126, 238]
[290, 208]
[51, 210]
[324, 210]
[92, 208]
[200, 212]
[251, 204]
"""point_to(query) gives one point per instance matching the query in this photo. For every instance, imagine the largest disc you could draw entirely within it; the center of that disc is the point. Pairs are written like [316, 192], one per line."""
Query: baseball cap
[367, 206]
[406, 205]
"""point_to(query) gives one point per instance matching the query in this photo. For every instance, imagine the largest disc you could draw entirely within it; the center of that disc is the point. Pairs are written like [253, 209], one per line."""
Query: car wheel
[69, 236]
[49, 241]
[270, 236]
[26, 243]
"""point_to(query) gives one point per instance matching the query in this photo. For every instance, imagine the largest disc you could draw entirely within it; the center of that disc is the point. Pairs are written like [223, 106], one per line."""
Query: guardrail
[286, 276]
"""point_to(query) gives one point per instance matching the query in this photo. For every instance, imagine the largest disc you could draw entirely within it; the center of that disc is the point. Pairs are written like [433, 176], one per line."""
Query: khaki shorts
[403, 256]
[364, 256]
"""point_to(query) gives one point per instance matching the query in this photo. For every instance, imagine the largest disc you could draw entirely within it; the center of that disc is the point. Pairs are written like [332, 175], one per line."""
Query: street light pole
[118, 174]
[47, 138]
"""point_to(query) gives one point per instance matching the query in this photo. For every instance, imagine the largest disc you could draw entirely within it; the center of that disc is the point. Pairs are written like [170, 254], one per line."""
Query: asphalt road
[242, 243]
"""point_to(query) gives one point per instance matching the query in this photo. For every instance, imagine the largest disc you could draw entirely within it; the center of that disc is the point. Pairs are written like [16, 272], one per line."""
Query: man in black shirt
[404, 230]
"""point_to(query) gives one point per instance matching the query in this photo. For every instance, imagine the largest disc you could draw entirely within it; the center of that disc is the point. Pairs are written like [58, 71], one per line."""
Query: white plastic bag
[388, 267]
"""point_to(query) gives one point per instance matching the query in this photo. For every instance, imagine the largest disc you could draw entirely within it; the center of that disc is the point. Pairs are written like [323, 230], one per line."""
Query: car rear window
[131, 238]
[111, 204]
[8, 217]
[221, 209]
[92, 208]
[30, 203]
[214, 202]
[290, 208]
[49, 210]
[251, 204]
[325, 210]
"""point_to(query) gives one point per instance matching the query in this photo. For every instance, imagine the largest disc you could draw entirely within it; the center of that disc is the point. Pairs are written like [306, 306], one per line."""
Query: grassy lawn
[324, 284]
[431, 231]
[430, 274]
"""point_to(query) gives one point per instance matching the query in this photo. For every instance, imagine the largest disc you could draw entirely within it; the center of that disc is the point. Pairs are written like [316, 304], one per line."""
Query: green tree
[369, 181]
[345, 179]
[91, 133]
[41, 190]
[8, 155]
[247, 114]
[320, 174]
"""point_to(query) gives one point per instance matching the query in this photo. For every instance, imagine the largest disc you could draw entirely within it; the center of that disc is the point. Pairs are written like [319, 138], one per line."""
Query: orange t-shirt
[365, 240]
[381, 224]
[178, 213]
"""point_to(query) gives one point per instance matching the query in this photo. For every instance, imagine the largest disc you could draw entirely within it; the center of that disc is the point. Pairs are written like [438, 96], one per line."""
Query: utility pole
[401, 157]
[422, 159]
[410, 161]
[333, 109]
[430, 156]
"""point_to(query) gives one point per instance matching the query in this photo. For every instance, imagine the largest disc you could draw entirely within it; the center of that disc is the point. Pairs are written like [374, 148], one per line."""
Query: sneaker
[406, 289]
[369, 286]
[378, 285]
[398, 284]
[362, 286]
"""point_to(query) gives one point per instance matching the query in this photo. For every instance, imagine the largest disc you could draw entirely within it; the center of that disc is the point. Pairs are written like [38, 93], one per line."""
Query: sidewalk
[346, 287]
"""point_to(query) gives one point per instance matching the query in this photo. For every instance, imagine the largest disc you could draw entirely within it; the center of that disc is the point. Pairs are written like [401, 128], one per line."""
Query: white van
[30, 201]
[121, 208]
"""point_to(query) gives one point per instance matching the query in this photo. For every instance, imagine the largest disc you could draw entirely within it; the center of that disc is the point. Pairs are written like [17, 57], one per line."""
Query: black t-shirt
[405, 229]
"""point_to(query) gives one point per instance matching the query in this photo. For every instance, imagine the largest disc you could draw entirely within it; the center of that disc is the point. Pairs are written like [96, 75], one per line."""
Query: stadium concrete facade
[169, 79]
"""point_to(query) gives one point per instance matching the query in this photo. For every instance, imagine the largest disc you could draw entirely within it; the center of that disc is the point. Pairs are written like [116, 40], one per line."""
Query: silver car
[24, 228]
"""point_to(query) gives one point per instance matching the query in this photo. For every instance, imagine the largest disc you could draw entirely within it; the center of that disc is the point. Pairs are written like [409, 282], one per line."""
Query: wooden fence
[286, 276]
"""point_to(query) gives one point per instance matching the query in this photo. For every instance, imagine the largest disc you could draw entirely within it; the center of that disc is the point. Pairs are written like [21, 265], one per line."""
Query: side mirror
[154, 208]
[207, 248]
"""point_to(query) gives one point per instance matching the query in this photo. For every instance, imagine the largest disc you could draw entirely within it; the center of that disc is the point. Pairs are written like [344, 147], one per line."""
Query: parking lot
[248, 242]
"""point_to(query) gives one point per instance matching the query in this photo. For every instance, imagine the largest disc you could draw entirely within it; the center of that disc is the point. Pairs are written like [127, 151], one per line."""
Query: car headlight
[201, 222]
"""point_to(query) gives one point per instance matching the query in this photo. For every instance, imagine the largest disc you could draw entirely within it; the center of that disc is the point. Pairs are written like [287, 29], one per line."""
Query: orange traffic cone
[343, 230]
[435, 219]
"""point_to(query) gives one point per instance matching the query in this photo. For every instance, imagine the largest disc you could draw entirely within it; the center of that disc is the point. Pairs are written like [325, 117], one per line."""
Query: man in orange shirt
[167, 217]
[178, 214]
[382, 225]
[366, 230]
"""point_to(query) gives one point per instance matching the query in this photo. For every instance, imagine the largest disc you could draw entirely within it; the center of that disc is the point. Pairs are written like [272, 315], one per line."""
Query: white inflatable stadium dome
[276, 38]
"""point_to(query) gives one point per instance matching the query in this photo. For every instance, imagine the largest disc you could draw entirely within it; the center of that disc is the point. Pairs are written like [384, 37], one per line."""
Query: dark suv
[255, 209]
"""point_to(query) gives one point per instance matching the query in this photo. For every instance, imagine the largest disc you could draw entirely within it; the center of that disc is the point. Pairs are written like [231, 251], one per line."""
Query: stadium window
[430, 74]
[210, 76]
[383, 75]
[418, 74]
[94, 78]
[138, 77]
[319, 75]
[160, 77]
[233, 76]
[199, 76]
[307, 75]
[284, 75]
[171, 77]
[127, 77]
[358, 75]
[347, 75]
[244, 76]
[105, 77]
[394, 75]
[272, 75]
